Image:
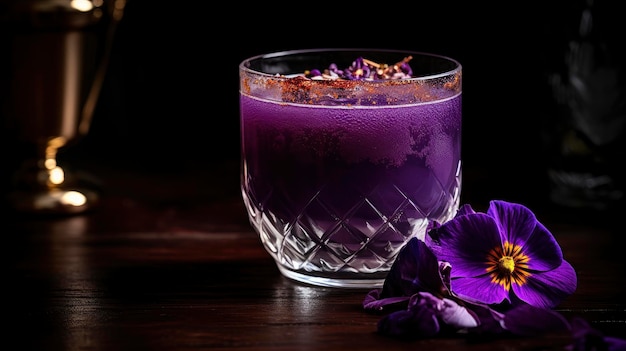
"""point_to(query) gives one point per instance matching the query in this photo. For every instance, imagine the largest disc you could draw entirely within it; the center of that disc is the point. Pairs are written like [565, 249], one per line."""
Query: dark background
[170, 98]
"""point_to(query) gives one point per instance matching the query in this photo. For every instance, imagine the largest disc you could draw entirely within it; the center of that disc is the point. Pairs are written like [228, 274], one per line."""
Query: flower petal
[489, 321]
[526, 320]
[451, 313]
[614, 343]
[465, 243]
[373, 302]
[465, 209]
[542, 248]
[456, 315]
[585, 337]
[410, 324]
[478, 290]
[515, 222]
[519, 226]
[415, 269]
[548, 289]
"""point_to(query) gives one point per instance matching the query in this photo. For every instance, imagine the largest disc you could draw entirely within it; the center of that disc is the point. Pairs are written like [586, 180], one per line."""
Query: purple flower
[504, 255]
[418, 304]
[457, 280]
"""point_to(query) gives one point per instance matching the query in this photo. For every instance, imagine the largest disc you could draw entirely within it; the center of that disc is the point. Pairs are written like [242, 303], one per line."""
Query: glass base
[334, 282]
[53, 201]
[37, 189]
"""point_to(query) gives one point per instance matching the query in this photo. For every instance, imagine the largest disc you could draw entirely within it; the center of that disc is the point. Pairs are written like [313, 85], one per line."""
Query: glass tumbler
[346, 155]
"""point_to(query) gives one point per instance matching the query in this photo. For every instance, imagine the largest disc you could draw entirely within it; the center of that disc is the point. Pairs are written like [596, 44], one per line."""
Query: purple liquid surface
[341, 189]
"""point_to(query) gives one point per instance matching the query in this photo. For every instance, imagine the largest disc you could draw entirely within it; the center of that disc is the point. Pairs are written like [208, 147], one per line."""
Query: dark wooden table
[169, 262]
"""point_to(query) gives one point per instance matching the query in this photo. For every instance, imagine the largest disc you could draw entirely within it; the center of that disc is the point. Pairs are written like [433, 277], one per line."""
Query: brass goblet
[59, 52]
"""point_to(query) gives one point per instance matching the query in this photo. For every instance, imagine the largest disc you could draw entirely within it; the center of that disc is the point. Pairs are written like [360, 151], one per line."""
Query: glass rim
[422, 77]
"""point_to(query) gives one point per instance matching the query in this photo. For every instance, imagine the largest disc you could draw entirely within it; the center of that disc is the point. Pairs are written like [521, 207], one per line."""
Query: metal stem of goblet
[60, 52]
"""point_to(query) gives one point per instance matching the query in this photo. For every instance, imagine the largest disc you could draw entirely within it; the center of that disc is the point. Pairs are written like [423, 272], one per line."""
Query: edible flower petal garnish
[503, 256]
[364, 69]
[483, 275]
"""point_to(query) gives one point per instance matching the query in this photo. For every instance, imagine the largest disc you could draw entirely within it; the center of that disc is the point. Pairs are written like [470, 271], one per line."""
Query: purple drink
[336, 188]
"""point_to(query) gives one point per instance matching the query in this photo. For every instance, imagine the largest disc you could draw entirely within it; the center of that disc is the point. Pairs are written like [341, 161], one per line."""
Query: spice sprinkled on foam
[364, 82]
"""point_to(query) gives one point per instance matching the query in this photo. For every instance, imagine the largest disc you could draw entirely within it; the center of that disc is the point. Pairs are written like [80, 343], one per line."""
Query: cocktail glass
[338, 174]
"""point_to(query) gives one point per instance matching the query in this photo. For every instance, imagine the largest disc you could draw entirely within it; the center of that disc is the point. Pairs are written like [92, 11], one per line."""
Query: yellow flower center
[508, 265]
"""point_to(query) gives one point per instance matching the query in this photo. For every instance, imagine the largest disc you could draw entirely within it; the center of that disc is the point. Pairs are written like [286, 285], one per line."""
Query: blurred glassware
[57, 60]
[584, 134]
